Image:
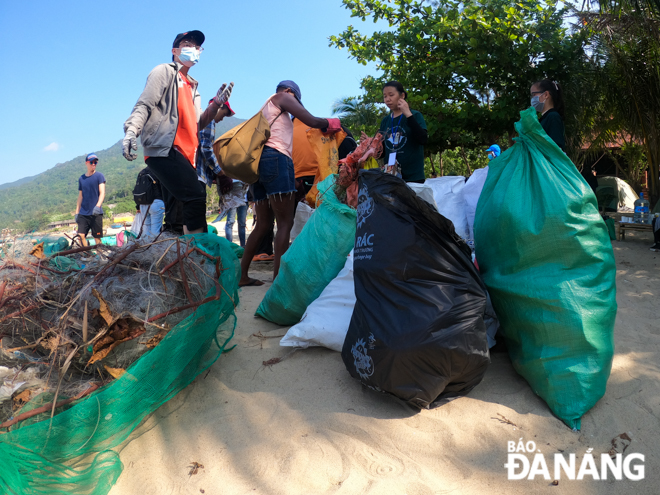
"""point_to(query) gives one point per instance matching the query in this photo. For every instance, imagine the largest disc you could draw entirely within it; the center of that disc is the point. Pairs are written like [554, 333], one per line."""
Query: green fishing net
[72, 454]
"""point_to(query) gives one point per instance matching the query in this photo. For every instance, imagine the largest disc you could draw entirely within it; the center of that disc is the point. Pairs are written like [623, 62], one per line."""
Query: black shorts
[91, 222]
[180, 179]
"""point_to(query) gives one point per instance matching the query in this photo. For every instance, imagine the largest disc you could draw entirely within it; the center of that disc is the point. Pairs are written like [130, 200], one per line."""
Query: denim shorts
[276, 175]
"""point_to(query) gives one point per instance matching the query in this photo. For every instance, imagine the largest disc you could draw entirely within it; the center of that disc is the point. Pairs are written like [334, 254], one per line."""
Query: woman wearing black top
[547, 99]
[404, 138]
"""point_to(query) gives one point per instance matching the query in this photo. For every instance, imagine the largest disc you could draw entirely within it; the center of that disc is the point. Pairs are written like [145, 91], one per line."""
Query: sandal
[263, 257]
[252, 283]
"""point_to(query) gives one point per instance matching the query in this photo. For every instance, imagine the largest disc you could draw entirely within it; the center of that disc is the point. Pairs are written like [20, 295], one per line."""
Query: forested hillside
[51, 195]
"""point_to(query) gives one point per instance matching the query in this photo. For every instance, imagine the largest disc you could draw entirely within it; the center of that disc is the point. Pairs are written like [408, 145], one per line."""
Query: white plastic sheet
[12, 379]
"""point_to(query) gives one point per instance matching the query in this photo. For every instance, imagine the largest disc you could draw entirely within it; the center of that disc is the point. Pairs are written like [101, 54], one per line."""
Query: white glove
[97, 210]
[128, 145]
[223, 94]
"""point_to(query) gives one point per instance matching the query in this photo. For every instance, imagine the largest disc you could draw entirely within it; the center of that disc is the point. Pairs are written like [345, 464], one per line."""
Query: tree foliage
[359, 115]
[626, 36]
[467, 65]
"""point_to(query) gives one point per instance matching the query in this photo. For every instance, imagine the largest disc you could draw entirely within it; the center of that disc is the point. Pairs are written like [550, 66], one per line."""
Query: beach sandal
[263, 257]
[252, 283]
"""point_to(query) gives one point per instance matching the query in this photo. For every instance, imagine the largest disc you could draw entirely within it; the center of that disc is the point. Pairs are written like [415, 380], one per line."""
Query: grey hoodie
[155, 116]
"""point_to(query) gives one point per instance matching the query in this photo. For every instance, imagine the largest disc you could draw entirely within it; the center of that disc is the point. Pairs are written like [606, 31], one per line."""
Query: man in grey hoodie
[168, 117]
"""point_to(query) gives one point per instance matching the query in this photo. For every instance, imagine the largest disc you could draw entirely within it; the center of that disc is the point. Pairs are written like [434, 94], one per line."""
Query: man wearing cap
[91, 193]
[168, 116]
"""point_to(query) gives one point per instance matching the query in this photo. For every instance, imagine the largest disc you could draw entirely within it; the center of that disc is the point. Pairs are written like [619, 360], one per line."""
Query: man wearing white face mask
[168, 116]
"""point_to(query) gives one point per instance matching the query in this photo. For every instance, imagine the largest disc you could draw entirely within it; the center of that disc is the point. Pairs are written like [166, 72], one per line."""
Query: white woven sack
[448, 195]
[325, 323]
[303, 213]
[471, 193]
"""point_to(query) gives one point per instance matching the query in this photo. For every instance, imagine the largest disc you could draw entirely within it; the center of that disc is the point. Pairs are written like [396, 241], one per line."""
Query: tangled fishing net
[91, 344]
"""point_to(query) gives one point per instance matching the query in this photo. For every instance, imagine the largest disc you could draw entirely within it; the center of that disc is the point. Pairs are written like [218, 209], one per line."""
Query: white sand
[304, 426]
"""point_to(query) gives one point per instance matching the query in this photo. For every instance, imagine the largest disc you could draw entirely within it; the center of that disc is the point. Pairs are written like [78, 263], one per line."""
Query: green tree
[626, 35]
[467, 65]
[359, 115]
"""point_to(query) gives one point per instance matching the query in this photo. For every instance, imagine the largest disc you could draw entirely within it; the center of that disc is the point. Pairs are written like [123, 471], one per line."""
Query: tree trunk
[467, 164]
[435, 172]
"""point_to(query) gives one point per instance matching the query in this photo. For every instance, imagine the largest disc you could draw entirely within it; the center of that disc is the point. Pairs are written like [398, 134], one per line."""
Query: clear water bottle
[641, 210]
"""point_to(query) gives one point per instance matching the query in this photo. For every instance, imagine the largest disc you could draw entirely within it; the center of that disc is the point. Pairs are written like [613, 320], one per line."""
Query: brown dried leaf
[194, 468]
[22, 398]
[103, 342]
[156, 339]
[118, 335]
[619, 444]
[104, 309]
[38, 251]
[51, 343]
[114, 372]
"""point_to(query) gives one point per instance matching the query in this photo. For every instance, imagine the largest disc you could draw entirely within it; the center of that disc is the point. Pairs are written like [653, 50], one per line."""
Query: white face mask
[189, 56]
[537, 104]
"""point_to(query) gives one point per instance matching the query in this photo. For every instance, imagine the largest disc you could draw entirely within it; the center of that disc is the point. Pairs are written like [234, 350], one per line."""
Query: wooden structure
[623, 226]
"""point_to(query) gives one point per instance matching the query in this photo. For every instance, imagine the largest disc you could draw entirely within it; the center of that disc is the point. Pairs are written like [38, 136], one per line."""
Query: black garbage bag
[417, 330]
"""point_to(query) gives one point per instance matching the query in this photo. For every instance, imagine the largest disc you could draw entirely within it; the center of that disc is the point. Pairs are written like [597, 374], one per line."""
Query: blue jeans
[241, 213]
[154, 219]
[276, 175]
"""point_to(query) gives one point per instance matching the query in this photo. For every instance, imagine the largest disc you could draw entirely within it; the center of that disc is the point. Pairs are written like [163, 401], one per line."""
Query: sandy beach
[304, 426]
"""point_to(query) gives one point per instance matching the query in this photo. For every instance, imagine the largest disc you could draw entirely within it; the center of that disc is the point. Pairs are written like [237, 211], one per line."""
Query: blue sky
[73, 70]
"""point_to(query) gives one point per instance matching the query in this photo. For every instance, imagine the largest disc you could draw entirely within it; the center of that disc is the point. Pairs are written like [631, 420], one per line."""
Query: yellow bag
[326, 148]
[239, 149]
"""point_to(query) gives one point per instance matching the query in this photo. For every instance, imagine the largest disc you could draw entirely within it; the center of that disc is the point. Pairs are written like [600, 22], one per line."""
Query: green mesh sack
[315, 258]
[73, 453]
[546, 258]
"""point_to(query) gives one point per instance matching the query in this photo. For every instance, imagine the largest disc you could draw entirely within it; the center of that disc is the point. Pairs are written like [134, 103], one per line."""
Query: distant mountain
[32, 202]
[18, 182]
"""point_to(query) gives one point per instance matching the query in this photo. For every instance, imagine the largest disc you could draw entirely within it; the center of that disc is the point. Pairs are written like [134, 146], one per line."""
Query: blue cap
[495, 149]
[293, 87]
[91, 157]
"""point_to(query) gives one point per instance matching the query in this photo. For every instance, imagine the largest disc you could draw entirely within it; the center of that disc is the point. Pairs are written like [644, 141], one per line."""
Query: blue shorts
[276, 175]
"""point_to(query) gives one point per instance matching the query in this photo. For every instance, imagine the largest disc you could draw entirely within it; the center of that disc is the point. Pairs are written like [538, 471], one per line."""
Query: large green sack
[546, 258]
[313, 260]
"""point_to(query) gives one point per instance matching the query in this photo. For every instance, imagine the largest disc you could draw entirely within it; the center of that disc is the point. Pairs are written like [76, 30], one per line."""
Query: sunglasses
[94, 162]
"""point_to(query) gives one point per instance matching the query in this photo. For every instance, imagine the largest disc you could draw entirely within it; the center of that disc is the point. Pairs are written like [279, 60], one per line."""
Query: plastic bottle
[641, 210]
